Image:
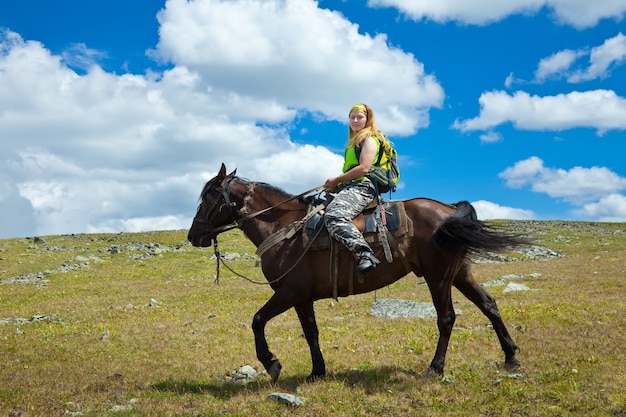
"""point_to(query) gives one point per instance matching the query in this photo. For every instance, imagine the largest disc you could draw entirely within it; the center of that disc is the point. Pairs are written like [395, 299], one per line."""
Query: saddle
[316, 237]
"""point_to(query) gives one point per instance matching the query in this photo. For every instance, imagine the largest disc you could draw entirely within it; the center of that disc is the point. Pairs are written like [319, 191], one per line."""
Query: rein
[218, 260]
[237, 223]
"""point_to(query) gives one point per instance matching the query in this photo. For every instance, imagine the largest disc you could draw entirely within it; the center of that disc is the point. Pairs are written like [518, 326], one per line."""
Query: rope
[217, 254]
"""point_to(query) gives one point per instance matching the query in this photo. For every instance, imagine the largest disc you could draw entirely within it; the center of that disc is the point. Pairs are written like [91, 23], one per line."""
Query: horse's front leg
[280, 302]
[306, 314]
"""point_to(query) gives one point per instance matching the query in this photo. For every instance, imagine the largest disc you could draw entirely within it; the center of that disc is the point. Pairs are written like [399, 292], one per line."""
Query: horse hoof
[512, 365]
[274, 371]
[315, 377]
[431, 373]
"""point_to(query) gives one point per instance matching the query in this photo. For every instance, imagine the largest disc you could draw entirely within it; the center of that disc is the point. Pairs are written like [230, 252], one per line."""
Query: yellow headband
[359, 107]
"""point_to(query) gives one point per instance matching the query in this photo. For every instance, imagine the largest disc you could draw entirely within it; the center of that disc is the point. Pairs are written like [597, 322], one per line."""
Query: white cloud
[486, 210]
[577, 185]
[300, 54]
[577, 13]
[611, 208]
[598, 109]
[17, 217]
[81, 57]
[293, 167]
[140, 224]
[490, 137]
[557, 64]
[602, 59]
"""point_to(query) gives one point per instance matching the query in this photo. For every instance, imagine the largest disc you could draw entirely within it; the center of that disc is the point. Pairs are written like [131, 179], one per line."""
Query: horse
[437, 248]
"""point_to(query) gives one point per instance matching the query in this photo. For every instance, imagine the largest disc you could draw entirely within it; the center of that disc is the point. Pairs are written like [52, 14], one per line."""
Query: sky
[113, 114]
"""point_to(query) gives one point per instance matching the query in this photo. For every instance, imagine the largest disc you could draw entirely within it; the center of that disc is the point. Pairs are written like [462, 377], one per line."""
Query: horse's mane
[269, 187]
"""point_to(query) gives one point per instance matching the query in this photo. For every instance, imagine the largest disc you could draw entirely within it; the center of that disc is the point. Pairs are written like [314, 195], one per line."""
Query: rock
[288, 399]
[245, 374]
[512, 286]
[121, 408]
[501, 280]
[34, 319]
[389, 308]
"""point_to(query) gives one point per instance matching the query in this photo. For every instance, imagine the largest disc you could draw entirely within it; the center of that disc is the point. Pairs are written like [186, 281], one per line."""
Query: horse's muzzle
[198, 236]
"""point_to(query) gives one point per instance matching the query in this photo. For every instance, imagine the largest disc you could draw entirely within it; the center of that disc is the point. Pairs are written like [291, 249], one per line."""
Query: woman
[354, 189]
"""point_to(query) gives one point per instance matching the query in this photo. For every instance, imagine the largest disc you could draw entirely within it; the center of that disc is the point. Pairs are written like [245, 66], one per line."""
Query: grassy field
[134, 325]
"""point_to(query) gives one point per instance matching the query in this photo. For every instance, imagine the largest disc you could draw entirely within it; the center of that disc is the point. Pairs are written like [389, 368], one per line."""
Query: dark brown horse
[436, 248]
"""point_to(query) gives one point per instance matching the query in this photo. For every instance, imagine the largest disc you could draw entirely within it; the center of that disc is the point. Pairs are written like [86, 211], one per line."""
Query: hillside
[133, 324]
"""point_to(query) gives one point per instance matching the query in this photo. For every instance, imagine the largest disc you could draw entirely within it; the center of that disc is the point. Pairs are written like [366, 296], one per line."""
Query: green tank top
[350, 159]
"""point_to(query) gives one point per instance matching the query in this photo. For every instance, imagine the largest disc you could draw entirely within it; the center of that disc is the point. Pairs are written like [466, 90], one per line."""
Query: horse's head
[217, 209]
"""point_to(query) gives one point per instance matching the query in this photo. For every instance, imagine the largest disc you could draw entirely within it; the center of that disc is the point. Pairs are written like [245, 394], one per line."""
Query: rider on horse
[355, 189]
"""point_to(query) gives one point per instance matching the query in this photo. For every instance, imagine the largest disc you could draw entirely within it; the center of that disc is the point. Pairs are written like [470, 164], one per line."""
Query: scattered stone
[389, 308]
[287, 399]
[147, 250]
[80, 258]
[501, 280]
[36, 278]
[33, 319]
[153, 303]
[121, 408]
[533, 253]
[512, 287]
[245, 374]
[73, 267]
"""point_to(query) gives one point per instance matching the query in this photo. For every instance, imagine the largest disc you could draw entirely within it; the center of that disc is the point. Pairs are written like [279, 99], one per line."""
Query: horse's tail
[462, 233]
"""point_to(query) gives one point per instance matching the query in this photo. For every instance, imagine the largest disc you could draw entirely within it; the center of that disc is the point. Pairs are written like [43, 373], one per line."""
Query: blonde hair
[370, 129]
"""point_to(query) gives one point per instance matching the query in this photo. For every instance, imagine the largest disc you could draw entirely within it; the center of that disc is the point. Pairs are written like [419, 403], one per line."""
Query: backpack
[385, 171]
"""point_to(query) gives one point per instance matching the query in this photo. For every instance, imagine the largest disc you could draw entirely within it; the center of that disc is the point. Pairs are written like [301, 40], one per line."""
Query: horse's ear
[222, 172]
[232, 174]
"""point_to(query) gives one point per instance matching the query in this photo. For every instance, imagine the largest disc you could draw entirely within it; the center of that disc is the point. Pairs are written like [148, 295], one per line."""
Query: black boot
[366, 262]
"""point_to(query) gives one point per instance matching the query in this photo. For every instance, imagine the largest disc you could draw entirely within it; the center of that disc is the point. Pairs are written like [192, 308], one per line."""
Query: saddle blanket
[395, 215]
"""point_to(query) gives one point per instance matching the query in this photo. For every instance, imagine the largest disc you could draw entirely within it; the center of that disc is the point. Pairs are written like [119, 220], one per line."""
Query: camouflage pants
[347, 204]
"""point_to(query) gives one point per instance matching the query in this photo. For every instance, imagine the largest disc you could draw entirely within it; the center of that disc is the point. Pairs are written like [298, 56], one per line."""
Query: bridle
[243, 212]
[217, 207]
[237, 218]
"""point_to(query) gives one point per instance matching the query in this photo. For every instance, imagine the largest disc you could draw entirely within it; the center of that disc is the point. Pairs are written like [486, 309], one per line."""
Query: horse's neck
[260, 227]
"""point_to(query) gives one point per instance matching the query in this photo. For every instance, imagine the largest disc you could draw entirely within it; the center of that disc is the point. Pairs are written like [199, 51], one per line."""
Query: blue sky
[114, 113]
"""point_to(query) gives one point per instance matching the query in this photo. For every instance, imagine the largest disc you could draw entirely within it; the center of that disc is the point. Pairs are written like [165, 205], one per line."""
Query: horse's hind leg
[277, 304]
[465, 283]
[442, 300]
[306, 314]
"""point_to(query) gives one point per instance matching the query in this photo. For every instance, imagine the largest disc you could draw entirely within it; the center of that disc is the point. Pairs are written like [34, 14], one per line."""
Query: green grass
[172, 359]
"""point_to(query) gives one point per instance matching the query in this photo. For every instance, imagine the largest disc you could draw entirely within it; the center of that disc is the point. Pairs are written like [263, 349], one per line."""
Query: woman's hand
[331, 184]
